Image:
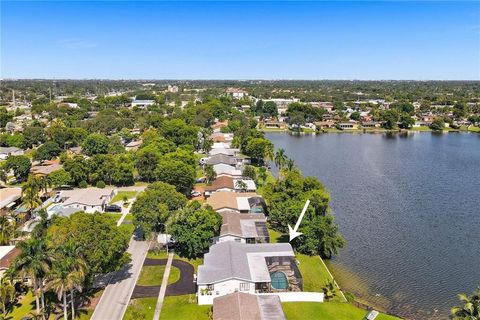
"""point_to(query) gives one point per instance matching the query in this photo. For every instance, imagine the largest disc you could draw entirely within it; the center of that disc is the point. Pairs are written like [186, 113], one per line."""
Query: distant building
[237, 93]
[282, 104]
[46, 167]
[348, 125]
[173, 89]
[142, 103]
[5, 152]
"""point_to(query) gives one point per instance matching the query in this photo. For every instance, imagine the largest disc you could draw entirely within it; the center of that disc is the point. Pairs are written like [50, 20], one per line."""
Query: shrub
[100, 184]
[83, 184]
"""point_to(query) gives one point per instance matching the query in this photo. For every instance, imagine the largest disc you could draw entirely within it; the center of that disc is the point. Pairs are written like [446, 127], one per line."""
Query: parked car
[113, 208]
[196, 193]
[201, 180]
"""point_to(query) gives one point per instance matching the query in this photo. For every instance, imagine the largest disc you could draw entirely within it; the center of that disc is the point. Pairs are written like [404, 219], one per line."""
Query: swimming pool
[279, 280]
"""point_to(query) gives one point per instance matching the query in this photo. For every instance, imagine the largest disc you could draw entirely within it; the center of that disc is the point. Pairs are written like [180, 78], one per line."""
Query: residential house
[88, 199]
[248, 202]
[223, 169]
[371, 124]
[325, 124]
[273, 124]
[351, 125]
[142, 103]
[46, 167]
[237, 93]
[282, 104]
[231, 267]
[230, 184]
[223, 158]
[7, 256]
[245, 306]
[5, 152]
[133, 145]
[226, 151]
[9, 198]
[244, 228]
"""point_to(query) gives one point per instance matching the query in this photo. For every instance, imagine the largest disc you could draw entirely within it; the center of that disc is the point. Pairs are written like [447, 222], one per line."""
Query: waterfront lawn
[314, 273]
[142, 308]
[184, 307]
[151, 276]
[421, 128]
[121, 194]
[474, 129]
[327, 311]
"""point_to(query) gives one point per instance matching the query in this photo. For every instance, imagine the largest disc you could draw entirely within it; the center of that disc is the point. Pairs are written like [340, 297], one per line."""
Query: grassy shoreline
[377, 130]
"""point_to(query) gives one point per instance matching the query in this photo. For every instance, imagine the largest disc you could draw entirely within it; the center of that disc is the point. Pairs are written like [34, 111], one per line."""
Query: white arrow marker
[293, 232]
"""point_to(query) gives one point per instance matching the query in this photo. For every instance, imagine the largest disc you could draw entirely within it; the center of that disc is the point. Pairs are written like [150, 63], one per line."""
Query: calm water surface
[409, 207]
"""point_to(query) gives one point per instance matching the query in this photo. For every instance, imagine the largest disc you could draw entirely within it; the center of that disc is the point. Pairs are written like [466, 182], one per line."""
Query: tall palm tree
[7, 293]
[7, 230]
[34, 263]
[280, 158]
[30, 191]
[290, 164]
[77, 268]
[470, 309]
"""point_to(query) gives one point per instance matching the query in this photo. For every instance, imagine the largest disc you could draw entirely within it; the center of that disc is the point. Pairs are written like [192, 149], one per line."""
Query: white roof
[223, 168]
[221, 145]
[250, 183]
[242, 203]
[87, 196]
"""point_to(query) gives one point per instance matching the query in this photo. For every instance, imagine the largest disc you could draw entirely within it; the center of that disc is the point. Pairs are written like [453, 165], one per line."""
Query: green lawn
[128, 217]
[162, 254]
[142, 308]
[327, 311]
[474, 129]
[276, 237]
[422, 128]
[25, 305]
[115, 216]
[184, 308]
[151, 276]
[121, 194]
[314, 273]
[174, 275]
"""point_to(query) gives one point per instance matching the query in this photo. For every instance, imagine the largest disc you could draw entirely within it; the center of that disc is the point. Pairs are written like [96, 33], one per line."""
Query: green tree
[210, 173]
[259, 149]
[406, 121]
[7, 294]
[146, 163]
[438, 124]
[20, 165]
[155, 205]
[193, 228]
[30, 192]
[470, 308]
[280, 158]
[47, 151]
[329, 290]
[390, 118]
[60, 178]
[95, 143]
[7, 229]
[5, 117]
[33, 136]
[249, 172]
[269, 109]
[176, 173]
[355, 116]
[34, 262]
[78, 168]
[102, 244]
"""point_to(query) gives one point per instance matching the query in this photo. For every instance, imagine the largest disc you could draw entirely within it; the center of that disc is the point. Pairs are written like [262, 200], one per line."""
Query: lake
[409, 207]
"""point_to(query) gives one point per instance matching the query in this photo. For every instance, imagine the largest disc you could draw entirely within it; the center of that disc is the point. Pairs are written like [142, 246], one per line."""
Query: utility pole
[50, 90]
[13, 93]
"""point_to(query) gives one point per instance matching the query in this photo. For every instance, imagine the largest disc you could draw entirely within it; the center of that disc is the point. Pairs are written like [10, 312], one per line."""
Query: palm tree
[77, 269]
[30, 192]
[329, 290]
[290, 164]
[210, 173]
[34, 263]
[59, 282]
[7, 230]
[470, 310]
[242, 185]
[7, 293]
[280, 158]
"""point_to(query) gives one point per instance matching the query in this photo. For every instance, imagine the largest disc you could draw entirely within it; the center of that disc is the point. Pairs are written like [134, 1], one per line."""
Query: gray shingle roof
[233, 260]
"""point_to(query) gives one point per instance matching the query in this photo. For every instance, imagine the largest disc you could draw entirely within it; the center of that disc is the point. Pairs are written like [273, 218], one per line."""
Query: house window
[238, 240]
[244, 286]
[210, 287]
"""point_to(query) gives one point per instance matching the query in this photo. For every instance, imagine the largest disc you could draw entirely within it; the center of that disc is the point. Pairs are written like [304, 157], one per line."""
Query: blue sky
[240, 40]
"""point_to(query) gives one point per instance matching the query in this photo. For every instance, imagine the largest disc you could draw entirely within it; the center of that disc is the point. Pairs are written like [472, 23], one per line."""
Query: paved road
[115, 298]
